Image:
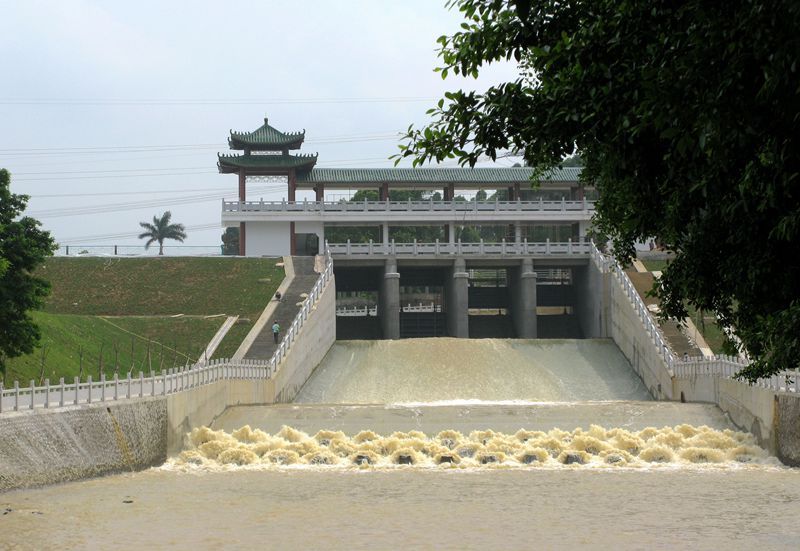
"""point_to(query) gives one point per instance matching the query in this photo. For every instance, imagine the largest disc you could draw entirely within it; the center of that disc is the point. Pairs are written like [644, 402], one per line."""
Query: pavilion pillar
[292, 179]
[242, 197]
[447, 233]
[292, 186]
[449, 192]
[320, 189]
[517, 194]
[383, 192]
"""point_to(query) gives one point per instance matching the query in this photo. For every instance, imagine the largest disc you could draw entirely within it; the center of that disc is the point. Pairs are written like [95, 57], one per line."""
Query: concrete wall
[592, 300]
[50, 446]
[628, 332]
[309, 348]
[267, 239]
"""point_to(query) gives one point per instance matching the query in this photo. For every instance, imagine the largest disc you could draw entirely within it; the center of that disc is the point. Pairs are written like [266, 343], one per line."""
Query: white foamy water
[445, 369]
[595, 447]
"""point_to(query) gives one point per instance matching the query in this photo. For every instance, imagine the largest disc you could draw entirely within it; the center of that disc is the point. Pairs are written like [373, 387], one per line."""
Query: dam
[436, 442]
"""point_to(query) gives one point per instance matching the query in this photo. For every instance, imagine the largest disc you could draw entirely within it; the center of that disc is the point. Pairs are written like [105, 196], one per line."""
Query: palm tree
[160, 230]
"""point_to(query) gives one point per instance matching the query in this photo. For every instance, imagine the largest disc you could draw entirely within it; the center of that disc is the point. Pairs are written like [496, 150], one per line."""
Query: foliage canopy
[23, 246]
[687, 119]
[160, 230]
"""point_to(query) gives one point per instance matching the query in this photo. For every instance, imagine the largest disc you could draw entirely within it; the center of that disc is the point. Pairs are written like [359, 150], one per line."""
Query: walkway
[304, 279]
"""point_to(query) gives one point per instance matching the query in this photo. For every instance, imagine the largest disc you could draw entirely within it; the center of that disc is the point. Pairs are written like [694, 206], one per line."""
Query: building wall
[267, 239]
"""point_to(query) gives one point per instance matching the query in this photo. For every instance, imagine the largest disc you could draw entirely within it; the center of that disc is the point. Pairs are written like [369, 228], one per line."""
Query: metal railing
[458, 248]
[409, 206]
[168, 381]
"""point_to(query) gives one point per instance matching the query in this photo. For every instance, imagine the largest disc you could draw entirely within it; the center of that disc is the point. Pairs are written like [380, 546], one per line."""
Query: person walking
[276, 332]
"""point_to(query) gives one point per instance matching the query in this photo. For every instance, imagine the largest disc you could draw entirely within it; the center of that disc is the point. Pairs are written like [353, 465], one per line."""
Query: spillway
[446, 369]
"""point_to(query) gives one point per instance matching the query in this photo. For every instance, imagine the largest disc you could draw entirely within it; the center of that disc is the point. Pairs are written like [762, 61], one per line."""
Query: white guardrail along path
[169, 381]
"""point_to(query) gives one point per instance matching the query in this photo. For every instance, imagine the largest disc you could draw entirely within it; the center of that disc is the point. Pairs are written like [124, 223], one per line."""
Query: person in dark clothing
[276, 332]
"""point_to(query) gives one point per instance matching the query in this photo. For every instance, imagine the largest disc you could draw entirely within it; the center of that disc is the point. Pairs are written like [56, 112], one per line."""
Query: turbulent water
[427, 370]
[441, 443]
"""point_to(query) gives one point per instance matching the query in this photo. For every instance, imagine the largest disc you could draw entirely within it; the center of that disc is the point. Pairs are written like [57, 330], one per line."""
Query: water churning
[556, 448]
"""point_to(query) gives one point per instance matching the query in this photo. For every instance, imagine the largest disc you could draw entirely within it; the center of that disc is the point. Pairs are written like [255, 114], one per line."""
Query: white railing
[169, 381]
[727, 367]
[357, 311]
[458, 248]
[409, 206]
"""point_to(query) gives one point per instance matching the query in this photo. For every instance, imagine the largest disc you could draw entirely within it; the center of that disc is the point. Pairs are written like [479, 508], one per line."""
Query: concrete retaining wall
[49, 446]
[632, 338]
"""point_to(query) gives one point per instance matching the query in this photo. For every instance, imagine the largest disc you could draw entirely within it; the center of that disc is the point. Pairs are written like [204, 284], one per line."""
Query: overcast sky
[111, 112]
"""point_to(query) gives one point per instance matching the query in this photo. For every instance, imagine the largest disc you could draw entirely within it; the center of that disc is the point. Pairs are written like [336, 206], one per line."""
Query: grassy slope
[155, 288]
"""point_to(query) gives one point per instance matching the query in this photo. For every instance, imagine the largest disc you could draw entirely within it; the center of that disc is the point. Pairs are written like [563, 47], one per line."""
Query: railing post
[116, 387]
[16, 395]
[60, 391]
[128, 393]
[77, 384]
[47, 393]
[348, 247]
[141, 385]
[32, 392]
[436, 247]
[89, 382]
[102, 387]
[1, 396]
[503, 246]
[525, 245]
[563, 204]
[414, 249]
[370, 247]
[569, 246]
[547, 246]
[164, 382]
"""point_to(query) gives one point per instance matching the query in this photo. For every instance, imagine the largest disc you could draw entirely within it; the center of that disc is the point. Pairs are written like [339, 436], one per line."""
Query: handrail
[582, 205]
[504, 248]
[169, 381]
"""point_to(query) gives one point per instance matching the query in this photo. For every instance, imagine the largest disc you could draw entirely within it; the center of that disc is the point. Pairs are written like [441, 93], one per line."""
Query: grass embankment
[117, 314]
[705, 322]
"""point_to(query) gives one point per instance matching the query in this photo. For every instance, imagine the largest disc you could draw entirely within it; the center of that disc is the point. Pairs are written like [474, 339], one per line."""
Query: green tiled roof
[231, 163]
[266, 137]
[506, 176]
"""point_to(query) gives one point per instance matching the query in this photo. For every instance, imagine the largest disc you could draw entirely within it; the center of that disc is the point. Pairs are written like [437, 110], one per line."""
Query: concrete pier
[457, 300]
[389, 300]
[522, 287]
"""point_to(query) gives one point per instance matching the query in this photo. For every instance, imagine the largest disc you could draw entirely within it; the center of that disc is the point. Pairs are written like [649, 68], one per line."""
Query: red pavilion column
[242, 196]
[292, 193]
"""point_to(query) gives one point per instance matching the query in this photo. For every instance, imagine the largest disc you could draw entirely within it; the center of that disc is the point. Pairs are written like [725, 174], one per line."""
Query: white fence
[362, 311]
[409, 206]
[168, 381]
[458, 248]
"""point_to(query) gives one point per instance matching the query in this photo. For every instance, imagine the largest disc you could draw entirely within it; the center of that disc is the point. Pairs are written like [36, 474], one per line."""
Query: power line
[202, 102]
[112, 236]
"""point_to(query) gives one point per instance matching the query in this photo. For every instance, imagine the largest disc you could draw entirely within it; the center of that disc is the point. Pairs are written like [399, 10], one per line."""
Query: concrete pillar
[451, 232]
[522, 287]
[517, 232]
[583, 227]
[389, 300]
[457, 300]
[385, 234]
[321, 237]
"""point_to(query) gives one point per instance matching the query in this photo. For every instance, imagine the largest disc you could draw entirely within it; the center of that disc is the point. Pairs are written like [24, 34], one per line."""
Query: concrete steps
[263, 347]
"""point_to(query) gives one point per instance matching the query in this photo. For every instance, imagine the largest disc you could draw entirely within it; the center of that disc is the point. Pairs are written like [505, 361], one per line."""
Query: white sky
[139, 76]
